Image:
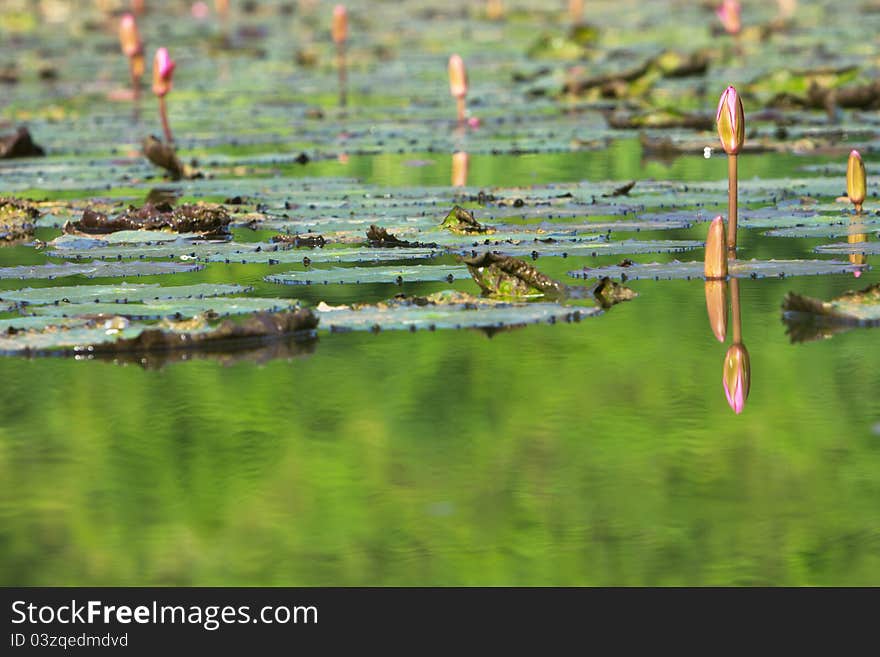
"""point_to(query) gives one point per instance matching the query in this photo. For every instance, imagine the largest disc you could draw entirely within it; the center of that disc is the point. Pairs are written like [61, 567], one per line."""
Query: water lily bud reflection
[731, 121]
[736, 378]
[715, 265]
[856, 180]
[857, 258]
[459, 169]
[163, 72]
[716, 307]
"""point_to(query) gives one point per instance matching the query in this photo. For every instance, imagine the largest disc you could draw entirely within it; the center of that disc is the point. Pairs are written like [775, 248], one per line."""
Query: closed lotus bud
[716, 307]
[731, 121]
[222, 7]
[856, 182]
[737, 377]
[163, 72]
[715, 265]
[458, 84]
[339, 28]
[729, 14]
[129, 37]
[459, 169]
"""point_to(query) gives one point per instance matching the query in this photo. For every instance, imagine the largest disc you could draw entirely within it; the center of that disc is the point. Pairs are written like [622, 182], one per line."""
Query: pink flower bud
[458, 84]
[731, 121]
[129, 37]
[737, 377]
[729, 14]
[339, 28]
[163, 71]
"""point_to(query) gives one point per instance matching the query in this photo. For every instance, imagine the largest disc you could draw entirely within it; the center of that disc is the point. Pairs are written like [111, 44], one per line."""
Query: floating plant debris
[460, 220]
[186, 218]
[508, 277]
[16, 219]
[807, 318]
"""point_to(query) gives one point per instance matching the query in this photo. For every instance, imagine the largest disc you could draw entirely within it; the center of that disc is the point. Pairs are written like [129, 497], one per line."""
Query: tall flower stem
[135, 80]
[343, 74]
[732, 180]
[735, 311]
[460, 104]
[166, 128]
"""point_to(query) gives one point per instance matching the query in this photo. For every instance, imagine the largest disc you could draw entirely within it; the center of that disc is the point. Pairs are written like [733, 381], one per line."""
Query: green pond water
[598, 452]
[601, 452]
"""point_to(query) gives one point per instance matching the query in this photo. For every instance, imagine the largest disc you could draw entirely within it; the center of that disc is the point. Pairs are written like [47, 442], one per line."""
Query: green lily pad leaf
[841, 229]
[414, 317]
[157, 309]
[117, 293]
[325, 255]
[176, 249]
[850, 248]
[122, 237]
[588, 248]
[508, 277]
[35, 322]
[98, 269]
[407, 274]
[739, 269]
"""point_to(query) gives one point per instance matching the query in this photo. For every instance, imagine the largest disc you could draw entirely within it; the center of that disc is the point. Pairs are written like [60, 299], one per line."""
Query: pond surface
[596, 452]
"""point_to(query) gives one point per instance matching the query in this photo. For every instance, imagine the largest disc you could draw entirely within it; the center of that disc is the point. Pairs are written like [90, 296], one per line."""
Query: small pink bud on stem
[133, 49]
[731, 130]
[163, 73]
[576, 11]
[458, 85]
[729, 14]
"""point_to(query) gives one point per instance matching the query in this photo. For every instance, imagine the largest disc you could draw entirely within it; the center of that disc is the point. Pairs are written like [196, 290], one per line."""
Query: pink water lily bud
[856, 179]
[129, 37]
[339, 28]
[729, 14]
[737, 377]
[458, 83]
[731, 121]
[715, 265]
[163, 71]
[200, 10]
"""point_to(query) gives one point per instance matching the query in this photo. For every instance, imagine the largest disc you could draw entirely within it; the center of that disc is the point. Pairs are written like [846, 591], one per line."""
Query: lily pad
[739, 269]
[413, 317]
[98, 269]
[125, 293]
[411, 273]
[156, 309]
